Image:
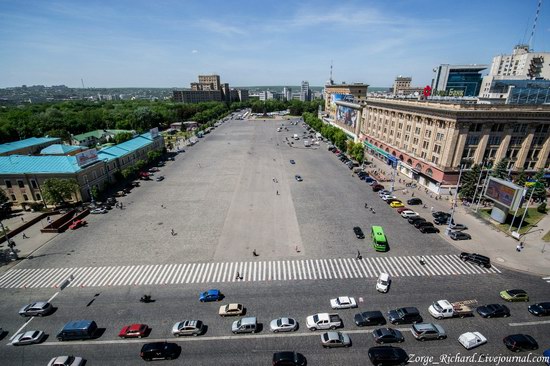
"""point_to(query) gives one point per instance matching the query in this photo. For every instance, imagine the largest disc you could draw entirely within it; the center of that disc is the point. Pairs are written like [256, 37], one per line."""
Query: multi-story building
[287, 93]
[343, 103]
[402, 86]
[30, 146]
[352, 92]
[213, 81]
[209, 89]
[96, 137]
[457, 80]
[305, 92]
[432, 141]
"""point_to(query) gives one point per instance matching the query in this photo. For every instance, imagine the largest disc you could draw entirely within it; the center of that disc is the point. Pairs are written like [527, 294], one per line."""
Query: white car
[343, 302]
[283, 325]
[388, 196]
[383, 283]
[472, 339]
[408, 213]
[28, 337]
[99, 210]
[66, 361]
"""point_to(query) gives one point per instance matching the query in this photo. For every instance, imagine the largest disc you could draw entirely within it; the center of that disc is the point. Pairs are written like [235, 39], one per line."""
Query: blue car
[211, 295]
[547, 355]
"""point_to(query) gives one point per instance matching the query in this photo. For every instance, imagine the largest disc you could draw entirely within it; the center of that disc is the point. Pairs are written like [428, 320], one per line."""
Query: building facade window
[33, 184]
[13, 198]
[472, 140]
[8, 183]
[494, 140]
[38, 197]
[25, 197]
[20, 184]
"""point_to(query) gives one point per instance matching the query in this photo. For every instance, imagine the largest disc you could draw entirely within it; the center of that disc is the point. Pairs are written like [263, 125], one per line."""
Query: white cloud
[195, 51]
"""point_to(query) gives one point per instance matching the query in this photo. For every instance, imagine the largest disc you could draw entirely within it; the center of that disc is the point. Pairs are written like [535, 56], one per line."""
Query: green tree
[539, 188]
[468, 184]
[129, 172]
[57, 191]
[521, 178]
[500, 170]
[153, 155]
[122, 137]
[140, 164]
[3, 197]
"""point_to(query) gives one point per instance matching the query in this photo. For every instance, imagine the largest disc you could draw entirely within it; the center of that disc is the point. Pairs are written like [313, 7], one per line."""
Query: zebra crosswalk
[253, 271]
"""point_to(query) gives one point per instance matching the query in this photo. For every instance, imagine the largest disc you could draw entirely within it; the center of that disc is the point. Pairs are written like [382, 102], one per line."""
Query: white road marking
[529, 323]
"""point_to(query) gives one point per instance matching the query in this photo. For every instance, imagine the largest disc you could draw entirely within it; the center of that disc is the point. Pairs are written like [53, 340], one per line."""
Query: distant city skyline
[168, 43]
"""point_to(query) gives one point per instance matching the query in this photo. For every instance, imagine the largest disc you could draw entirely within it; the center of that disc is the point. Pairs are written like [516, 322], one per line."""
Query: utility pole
[11, 244]
[483, 189]
[526, 209]
[394, 167]
[448, 230]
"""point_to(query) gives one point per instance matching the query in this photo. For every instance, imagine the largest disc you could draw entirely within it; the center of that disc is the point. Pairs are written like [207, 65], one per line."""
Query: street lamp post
[448, 230]
[526, 209]
[11, 244]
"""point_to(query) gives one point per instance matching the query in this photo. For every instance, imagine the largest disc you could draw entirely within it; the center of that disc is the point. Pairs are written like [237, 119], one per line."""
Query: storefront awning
[377, 149]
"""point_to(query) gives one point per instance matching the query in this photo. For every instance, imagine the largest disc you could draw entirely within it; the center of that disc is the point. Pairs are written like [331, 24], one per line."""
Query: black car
[160, 350]
[387, 356]
[493, 311]
[540, 309]
[419, 224]
[369, 318]
[440, 214]
[459, 235]
[358, 232]
[404, 316]
[413, 220]
[289, 358]
[387, 335]
[414, 201]
[442, 220]
[520, 342]
[362, 174]
[478, 259]
[428, 230]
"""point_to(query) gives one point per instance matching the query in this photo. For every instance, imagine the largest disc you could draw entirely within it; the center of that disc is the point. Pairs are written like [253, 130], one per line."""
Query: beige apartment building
[433, 140]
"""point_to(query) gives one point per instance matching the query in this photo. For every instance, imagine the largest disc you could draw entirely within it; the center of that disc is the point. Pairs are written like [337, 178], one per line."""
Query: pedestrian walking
[23, 219]
[277, 193]
[519, 248]
[412, 194]
[238, 276]
[521, 245]
[173, 232]
[49, 219]
[25, 236]
[432, 209]
[359, 256]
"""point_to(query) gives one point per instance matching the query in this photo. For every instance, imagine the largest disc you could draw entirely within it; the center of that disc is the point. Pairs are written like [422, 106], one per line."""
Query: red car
[77, 223]
[377, 187]
[401, 209]
[134, 331]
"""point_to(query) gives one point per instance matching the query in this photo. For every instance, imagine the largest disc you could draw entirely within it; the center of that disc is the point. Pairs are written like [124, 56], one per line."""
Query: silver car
[29, 337]
[283, 325]
[38, 308]
[66, 361]
[188, 327]
[335, 339]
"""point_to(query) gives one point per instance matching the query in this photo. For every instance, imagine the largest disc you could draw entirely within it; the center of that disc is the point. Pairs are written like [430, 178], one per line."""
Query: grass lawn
[531, 220]
[546, 237]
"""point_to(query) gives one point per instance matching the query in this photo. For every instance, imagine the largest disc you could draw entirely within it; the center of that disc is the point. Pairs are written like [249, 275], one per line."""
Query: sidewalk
[486, 239]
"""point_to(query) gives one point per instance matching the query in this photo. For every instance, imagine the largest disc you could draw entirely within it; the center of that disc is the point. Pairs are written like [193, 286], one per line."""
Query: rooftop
[25, 164]
[32, 141]
[59, 149]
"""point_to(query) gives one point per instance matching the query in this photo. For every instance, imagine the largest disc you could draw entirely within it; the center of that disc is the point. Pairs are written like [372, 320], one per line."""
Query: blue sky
[167, 43]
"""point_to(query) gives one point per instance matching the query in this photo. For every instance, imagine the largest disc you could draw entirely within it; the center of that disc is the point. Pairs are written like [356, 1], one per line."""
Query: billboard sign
[339, 98]
[86, 157]
[347, 115]
[154, 132]
[503, 192]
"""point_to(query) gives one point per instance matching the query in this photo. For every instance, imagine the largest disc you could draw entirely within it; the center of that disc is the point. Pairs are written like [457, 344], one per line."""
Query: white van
[383, 283]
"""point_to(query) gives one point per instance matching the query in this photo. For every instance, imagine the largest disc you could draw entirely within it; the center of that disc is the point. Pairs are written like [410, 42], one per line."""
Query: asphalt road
[221, 200]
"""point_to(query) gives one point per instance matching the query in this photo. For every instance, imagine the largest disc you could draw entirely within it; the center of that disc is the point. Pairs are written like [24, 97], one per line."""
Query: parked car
[459, 235]
[394, 203]
[472, 340]
[514, 295]
[283, 325]
[77, 223]
[442, 220]
[437, 214]
[387, 356]
[409, 214]
[98, 210]
[401, 209]
[335, 339]
[478, 259]
[231, 310]
[298, 178]
[343, 302]
[289, 358]
[358, 232]
[160, 350]
[245, 325]
[414, 201]
[520, 342]
[28, 337]
[387, 335]
[66, 361]
[427, 331]
[493, 311]
[134, 331]
[404, 315]
[383, 283]
[369, 318]
[188, 327]
[160, 178]
[39, 308]
[428, 230]
[414, 219]
[458, 227]
[540, 309]
[418, 224]
[377, 187]
[211, 295]
[292, 161]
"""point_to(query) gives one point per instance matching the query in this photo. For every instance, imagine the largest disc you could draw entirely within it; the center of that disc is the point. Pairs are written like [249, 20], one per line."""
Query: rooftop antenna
[82, 81]
[534, 24]
[331, 82]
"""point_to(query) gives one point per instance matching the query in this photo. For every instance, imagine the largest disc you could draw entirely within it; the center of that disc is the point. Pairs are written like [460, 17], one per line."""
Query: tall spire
[331, 82]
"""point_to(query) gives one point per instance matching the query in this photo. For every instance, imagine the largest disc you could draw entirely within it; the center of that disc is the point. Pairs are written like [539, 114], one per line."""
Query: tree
[57, 191]
[3, 197]
[123, 136]
[501, 169]
[468, 184]
[521, 178]
[539, 193]
[128, 172]
[140, 164]
[153, 155]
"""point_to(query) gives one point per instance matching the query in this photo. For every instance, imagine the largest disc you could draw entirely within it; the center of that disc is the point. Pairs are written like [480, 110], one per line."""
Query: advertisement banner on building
[86, 157]
[339, 98]
[503, 192]
[154, 132]
[347, 116]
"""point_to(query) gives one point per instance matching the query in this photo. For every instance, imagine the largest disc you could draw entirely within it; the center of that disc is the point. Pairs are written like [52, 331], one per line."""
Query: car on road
[478, 259]
[98, 210]
[442, 220]
[386, 197]
[514, 295]
[427, 331]
[437, 214]
[413, 220]
[343, 302]
[383, 192]
[414, 201]
[493, 311]
[369, 318]
[134, 331]
[211, 295]
[28, 337]
[154, 169]
[66, 361]
[358, 232]
[472, 340]
[298, 178]
[458, 227]
[428, 230]
[289, 358]
[38, 308]
[404, 315]
[383, 283]
[283, 325]
[188, 327]
[401, 209]
[387, 335]
[245, 325]
[546, 354]
[459, 235]
[160, 350]
[540, 309]
[418, 224]
[160, 178]
[231, 310]
[387, 356]
[396, 204]
[377, 187]
[408, 214]
[335, 339]
[292, 161]
[520, 342]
